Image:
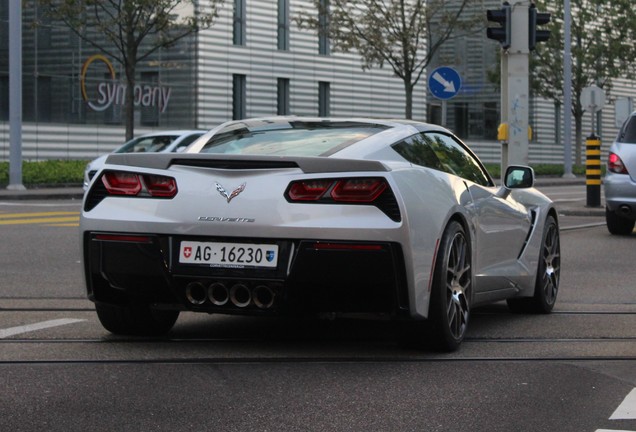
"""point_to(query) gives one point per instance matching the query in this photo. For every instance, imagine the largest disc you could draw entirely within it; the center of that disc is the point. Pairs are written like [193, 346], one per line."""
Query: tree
[602, 35]
[130, 31]
[405, 34]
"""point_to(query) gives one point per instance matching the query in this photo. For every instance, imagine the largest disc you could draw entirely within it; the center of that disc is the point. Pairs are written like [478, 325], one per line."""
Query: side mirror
[516, 177]
[519, 177]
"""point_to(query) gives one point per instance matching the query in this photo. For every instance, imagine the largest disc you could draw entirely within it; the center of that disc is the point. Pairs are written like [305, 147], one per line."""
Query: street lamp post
[15, 95]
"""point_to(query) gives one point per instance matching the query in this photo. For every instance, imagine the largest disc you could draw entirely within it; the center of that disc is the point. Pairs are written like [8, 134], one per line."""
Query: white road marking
[5, 333]
[27, 204]
[627, 409]
[611, 430]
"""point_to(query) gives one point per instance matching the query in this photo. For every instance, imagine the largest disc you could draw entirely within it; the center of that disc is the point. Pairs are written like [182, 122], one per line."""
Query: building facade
[253, 61]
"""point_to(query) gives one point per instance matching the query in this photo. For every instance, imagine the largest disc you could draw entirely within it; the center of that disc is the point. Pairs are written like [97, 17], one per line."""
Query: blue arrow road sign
[444, 82]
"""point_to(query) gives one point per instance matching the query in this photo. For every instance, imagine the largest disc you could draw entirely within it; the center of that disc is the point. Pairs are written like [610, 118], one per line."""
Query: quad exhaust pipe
[218, 294]
[239, 295]
[263, 297]
[196, 293]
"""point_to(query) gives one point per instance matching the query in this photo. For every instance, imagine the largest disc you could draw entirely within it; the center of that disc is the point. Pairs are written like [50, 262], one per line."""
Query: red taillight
[133, 184]
[308, 190]
[121, 183]
[615, 164]
[358, 190]
[160, 186]
[346, 190]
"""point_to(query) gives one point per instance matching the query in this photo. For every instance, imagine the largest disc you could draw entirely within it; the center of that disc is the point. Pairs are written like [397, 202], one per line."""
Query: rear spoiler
[308, 165]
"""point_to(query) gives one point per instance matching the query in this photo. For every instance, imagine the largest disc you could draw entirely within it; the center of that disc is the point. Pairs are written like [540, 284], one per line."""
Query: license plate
[230, 255]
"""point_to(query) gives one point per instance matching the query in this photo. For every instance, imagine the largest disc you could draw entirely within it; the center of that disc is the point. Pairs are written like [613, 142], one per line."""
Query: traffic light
[534, 19]
[502, 17]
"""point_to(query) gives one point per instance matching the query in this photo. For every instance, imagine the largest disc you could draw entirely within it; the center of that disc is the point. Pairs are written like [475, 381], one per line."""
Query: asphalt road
[60, 371]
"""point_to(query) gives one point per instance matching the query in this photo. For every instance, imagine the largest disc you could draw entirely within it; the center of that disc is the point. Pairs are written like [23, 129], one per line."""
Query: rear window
[290, 138]
[628, 131]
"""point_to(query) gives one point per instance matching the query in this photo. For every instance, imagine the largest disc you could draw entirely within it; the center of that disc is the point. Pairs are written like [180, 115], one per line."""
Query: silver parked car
[168, 141]
[302, 216]
[620, 181]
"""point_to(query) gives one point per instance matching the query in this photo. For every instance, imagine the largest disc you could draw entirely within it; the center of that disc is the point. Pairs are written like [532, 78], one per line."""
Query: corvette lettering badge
[229, 196]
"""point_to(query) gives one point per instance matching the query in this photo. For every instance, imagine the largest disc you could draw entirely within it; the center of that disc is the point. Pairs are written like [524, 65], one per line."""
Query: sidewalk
[72, 192]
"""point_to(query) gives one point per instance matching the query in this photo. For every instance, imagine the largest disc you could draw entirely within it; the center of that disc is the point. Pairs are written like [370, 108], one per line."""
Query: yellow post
[593, 170]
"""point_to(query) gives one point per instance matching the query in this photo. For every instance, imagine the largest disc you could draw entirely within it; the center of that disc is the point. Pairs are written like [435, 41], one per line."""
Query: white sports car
[291, 215]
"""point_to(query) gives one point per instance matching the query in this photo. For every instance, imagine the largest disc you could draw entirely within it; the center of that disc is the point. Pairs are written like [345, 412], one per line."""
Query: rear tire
[135, 319]
[618, 225]
[548, 274]
[451, 293]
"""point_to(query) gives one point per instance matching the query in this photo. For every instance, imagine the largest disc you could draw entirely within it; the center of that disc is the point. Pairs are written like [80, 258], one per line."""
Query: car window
[187, 141]
[628, 131]
[148, 144]
[442, 152]
[290, 138]
[417, 150]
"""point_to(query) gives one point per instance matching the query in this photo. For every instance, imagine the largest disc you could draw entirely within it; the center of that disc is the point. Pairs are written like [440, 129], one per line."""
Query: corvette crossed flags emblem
[229, 196]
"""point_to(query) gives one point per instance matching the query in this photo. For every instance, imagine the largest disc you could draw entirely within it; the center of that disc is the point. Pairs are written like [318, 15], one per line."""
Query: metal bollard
[593, 170]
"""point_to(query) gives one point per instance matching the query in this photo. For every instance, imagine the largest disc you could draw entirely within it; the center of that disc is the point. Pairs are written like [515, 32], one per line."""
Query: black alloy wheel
[451, 295]
[548, 274]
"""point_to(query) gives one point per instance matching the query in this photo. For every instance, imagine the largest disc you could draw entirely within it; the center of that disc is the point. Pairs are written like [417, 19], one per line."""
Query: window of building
[43, 30]
[239, 92]
[114, 114]
[283, 25]
[323, 30]
[460, 114]
[239, 22]
[149, 111]
[323, 99]
[283, 96]
[43, 102]
[4, 25]
[491, 120]
[4, 97]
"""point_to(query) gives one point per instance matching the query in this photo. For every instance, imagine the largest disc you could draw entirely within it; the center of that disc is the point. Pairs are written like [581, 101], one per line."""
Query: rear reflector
[123, 238]
[347, 246]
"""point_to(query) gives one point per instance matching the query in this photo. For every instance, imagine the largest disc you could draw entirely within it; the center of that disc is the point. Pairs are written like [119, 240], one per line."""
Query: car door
[501, 225]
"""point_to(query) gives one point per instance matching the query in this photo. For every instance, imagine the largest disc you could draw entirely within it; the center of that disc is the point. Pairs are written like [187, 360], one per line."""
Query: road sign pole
[444, 83]
[444, 113]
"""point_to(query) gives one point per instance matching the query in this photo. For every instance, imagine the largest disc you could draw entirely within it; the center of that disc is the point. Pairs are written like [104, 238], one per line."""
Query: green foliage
[542, 170]
[51, 172]
[602, 49]
[71, 172]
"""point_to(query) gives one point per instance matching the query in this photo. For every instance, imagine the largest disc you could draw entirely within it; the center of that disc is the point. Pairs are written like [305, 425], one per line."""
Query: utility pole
[517, 33]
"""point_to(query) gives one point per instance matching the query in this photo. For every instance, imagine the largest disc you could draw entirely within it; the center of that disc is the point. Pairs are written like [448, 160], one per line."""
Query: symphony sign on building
[103, 92]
